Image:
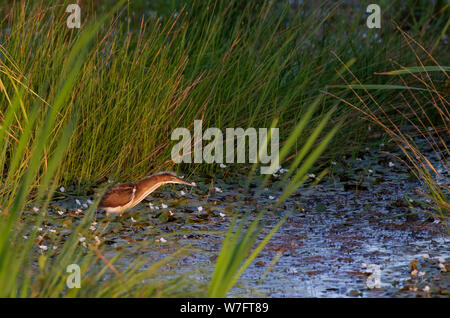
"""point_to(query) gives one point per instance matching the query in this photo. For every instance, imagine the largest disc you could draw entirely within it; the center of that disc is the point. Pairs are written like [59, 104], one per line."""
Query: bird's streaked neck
[148, 185]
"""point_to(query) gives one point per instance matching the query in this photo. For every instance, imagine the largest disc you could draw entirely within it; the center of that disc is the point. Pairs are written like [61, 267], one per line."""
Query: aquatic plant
[416, 118]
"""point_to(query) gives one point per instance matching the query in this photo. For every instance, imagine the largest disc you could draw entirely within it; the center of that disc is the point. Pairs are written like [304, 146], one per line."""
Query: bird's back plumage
[119, 195]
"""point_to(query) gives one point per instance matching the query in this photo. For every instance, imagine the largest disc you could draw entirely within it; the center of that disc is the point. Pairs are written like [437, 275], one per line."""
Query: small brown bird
[124, 196]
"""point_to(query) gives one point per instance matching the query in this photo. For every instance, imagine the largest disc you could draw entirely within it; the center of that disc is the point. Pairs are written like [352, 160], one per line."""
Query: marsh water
[363, 231]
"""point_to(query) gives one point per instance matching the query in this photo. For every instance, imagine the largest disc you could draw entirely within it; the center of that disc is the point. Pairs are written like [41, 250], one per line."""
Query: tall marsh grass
[79, 106]
[37, 140]
[416, 119]
[230, 63]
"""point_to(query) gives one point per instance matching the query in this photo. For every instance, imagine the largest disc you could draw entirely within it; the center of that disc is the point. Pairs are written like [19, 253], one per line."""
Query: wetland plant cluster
[79, 107]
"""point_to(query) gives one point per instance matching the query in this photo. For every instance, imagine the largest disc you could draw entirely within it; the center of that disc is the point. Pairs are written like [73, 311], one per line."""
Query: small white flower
[374, 280]
[312, 175]
[217, 189]
[222, 214]
[442, 267]
[271, 197]
[52, 231]
[194, 184]
[377, 283]
[97, 240]
[62, 189]
[35, 209]
[92, 228]
[200, 209]
[391, 164]
[426, 255]
[171, 213]
[414, 272]
[164, 206]
[55, 247]
[364, 265]
[426, 289]
[163, 240]
[133, 220]
[43, 247]
[77, 202]
[60, 212]
[358, 159]
[39, 228]
[370, 171]
[421, 274]
[182, 192]
[89, 201]
[333, 163]
[222, 166]
[82, 239]
[25, 237]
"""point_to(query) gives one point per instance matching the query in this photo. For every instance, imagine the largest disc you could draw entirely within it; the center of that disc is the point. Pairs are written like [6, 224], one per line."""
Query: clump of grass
[230, 63]
[418, 109]
[39, 146]
[102, 101]
[236, 253]
[24, 272]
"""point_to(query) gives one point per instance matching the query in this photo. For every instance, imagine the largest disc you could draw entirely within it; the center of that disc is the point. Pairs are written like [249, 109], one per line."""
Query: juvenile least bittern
[124, 196]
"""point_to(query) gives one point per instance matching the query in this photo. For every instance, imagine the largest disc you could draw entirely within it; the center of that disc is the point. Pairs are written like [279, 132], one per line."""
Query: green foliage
[230, 63]
[426, 115]
[102, 101]
[236, 253]
[20, 276]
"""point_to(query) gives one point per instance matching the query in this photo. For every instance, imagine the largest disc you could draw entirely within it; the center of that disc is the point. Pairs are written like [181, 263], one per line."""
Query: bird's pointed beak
[181, 181]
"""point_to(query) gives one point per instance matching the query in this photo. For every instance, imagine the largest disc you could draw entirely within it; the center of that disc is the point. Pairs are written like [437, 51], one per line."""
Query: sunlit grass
[420, 110]
[241, 68]
[80, 106]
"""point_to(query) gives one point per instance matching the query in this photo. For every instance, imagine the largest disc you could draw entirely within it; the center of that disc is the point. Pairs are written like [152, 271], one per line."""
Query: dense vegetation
[79, 106]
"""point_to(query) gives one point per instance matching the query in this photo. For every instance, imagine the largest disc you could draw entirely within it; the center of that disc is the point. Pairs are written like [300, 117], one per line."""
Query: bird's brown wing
[119, 195]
